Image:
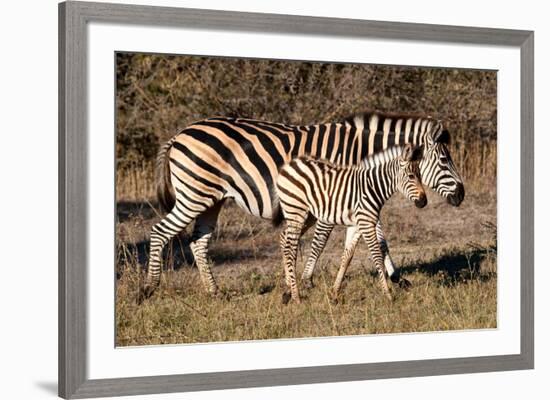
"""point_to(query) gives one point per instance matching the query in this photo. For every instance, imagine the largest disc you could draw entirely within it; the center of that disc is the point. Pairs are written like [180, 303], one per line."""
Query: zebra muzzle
[421, 201]
[456, 198]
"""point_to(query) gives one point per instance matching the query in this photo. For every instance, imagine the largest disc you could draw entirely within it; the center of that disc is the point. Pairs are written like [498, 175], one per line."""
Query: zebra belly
[267, 211]
[344, 217]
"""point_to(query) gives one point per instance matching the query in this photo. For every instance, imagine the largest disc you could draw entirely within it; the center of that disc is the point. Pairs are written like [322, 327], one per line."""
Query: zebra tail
[277, 216]
[165, 192]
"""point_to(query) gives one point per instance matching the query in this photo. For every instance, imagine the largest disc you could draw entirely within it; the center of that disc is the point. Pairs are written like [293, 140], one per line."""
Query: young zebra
[350, 196]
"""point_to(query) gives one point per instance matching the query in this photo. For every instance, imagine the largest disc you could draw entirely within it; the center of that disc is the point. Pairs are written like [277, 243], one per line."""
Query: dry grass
[454, 282]
[135, 181]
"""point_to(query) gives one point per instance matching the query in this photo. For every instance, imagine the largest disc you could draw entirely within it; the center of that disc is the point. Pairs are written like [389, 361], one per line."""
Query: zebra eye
[443, 158]
[411, 176]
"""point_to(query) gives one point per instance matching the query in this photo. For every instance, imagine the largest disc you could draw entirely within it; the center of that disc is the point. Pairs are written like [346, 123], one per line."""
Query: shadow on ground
[177, 254]
[456, 267]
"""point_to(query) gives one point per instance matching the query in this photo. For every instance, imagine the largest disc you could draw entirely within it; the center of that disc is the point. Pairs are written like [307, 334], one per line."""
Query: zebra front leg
[320, 238]
[289, 245]
[352, 237]
[368, 231]
[200, 239]
[393, 272]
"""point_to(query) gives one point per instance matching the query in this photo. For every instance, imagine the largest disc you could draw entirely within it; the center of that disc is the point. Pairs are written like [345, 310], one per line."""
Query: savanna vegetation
[449, 254]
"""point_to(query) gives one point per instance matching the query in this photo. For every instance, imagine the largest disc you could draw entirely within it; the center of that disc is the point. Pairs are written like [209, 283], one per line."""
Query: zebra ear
[443, 137]
[407, 152]
[411, 153]
[417, 153]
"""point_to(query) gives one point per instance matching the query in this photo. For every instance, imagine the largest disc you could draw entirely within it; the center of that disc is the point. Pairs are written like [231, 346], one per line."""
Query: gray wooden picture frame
[73, 196]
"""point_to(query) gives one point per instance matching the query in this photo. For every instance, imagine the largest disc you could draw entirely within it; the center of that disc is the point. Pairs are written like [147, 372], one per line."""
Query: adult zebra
[350, 196]
[240, 158]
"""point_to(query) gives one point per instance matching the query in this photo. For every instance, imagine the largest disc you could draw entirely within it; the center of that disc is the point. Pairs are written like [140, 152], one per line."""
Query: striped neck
[378, 182]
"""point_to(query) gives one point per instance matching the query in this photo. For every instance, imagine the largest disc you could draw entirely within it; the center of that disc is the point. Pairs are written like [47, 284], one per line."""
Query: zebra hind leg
[320, 238]
[200, 239]
[289, 245]
[171, 225]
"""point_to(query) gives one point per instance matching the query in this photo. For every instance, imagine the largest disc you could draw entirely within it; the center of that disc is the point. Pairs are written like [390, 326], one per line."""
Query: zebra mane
[374, 160]
[361, 119]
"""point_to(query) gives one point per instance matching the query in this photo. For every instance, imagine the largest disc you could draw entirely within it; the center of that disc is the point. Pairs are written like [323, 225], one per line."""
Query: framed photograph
[253, 200]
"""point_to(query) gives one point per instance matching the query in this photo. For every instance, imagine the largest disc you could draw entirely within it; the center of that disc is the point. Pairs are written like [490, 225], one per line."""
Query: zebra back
[381, 130]
[240, 158]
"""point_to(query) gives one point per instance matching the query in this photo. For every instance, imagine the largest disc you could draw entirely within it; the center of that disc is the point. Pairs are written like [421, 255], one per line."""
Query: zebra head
[437, 169]
[408, 176]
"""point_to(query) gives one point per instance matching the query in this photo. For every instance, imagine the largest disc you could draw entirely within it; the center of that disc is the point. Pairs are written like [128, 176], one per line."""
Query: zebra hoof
[334, 300]
[405, 284]
[286, 297]
[221, 295]
[267, 288]
[144, 293]
[308, 284]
